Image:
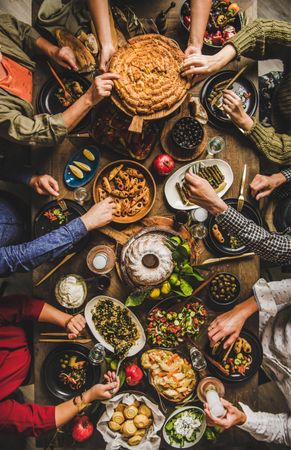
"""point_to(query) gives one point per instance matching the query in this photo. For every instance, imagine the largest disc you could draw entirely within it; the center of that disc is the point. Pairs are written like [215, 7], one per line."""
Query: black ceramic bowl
[187, 133]
[242, 87]
[223, 304]
[256, 354]
[208, 48]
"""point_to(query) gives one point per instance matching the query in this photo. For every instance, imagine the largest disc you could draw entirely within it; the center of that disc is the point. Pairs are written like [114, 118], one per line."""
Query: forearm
[27, 256]
[52, 315]
[199, 17]
[247, 308]
[271, 246]
[99, 11]
[76, 112]
[45, 47]
[68, 410]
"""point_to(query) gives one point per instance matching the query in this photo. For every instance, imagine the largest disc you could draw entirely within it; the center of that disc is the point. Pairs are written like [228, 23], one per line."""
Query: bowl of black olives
[187, 134]
[223, 291]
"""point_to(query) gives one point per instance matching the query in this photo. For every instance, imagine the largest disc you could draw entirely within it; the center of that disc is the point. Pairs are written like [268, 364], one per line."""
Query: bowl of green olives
[223, 291]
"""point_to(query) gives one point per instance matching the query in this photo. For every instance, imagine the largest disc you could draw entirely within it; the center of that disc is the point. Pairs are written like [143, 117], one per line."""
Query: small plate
[42, 225]
[257, 358]
[242, 85]
[69, 178]
[171, 193]
[248, 211]
[140, 342]
[48, 103]
[51, 368]
[199, 435]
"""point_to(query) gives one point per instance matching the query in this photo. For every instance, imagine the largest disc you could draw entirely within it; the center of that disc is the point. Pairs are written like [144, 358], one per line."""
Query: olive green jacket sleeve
[18, 40]
[274, 146]
[264, 39]
[19, 124]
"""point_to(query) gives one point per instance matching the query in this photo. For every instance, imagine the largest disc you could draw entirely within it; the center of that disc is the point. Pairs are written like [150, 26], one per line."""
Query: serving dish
[256, 354]
[183, 441]
[55, 365]
[71, 180]
[171, 322]
[135, 201]
[243, 87]
[139, 342]
[214, 41]
[224, 248]
[187, 134]
[172, 195]
[51, 217]
[170, 373]
[48, 102]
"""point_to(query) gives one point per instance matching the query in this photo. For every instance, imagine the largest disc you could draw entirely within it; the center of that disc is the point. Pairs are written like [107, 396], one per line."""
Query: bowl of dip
[71, 291]
[101, 259]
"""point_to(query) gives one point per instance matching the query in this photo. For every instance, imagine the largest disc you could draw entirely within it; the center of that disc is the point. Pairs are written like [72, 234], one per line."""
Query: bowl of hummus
[71, 291]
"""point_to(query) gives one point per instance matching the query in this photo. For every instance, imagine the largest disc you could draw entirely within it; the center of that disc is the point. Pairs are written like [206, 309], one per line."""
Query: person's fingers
[110, 76]
[213, 331]
[226, 403]
[194, 71]
[72, 336]
[232, 338]
[264, 194]
[231, 93]
[227, 109]
[108, 83]
[218, 336]
[54, 184]
[227, 102]
[109, 386]
[73, 329]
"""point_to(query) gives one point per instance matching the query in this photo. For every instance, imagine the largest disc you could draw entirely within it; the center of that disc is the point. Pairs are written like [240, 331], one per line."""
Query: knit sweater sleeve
[257, 40]
[274, 146]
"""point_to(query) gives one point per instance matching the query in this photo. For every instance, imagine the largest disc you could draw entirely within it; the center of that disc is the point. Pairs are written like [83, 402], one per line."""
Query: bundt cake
[148, 260]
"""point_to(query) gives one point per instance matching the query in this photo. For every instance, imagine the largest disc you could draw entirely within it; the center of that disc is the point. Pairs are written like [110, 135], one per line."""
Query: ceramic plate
[52, 368]
[139, 344]
[70, 179]
[48, 103]
[199, 434]
[171, 193]
[257, 358]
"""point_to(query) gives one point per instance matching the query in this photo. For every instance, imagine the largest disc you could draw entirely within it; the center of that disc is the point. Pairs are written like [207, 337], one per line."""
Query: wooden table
[236, 153]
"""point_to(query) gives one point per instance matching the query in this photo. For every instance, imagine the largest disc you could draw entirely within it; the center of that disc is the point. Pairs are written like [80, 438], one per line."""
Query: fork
[63, 205]
[241, 199]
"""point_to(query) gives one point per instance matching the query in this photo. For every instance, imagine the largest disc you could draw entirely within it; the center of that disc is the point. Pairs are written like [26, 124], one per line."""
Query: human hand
[75, 325]
[233, 416]
[199, 66]
[100, 214]
[263, 185]
[44, 185]
[230, 323]
[103, 391]
[65, 57]
[202, 194]
[105, 54]
[101, 87]
[111, 377]
[192, 50]
[233, 106]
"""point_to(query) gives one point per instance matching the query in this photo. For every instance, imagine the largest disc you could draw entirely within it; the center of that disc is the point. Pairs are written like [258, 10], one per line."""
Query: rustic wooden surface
[237, 152]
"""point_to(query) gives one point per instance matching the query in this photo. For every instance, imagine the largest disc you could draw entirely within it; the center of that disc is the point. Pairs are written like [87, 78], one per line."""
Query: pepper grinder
[161, 19]
[210, 390]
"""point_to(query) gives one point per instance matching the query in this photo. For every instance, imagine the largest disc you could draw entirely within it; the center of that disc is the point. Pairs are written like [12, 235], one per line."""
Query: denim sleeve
[27, 256]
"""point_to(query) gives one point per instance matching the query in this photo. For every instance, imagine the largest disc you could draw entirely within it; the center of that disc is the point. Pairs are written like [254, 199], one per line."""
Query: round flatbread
[150, 81]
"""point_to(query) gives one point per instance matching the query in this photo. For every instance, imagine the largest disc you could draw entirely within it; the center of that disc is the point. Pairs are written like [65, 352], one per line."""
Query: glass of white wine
[81, 195]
